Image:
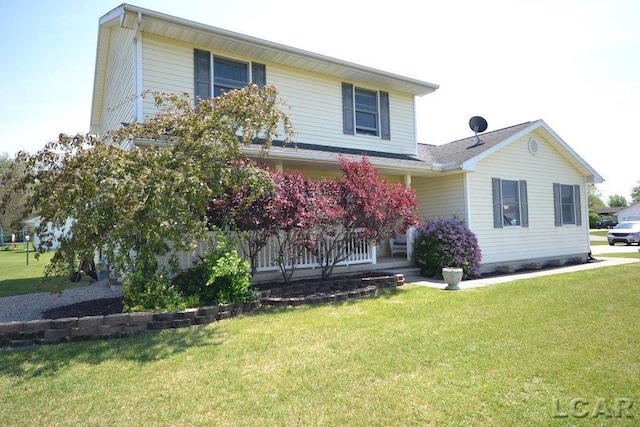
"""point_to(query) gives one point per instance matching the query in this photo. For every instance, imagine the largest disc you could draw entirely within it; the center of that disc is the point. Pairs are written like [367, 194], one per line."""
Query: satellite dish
[477, 125]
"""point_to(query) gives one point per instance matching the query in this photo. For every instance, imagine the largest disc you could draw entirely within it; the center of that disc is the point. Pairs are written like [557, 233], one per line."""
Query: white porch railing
[359, 253]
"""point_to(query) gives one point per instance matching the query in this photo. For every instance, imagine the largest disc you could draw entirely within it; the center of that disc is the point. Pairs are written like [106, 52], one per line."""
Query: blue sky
[573, 63]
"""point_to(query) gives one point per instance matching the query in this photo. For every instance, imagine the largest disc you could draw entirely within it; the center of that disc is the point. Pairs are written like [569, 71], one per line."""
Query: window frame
[229, 61]
[362, 129]
[204, 73]
[521, 196]
[562, 206]
[350, 112]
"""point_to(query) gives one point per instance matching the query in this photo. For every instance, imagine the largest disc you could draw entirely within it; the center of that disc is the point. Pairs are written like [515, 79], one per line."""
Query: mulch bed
[106, 306]
[98, 307]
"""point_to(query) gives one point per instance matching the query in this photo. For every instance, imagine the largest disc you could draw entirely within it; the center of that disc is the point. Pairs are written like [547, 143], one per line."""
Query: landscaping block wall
[53, 331]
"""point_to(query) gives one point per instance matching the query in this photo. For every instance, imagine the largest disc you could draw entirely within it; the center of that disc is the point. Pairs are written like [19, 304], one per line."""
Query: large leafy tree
[635, 193]
[594, 197]
[617, 201]
[11, 216]
[131, 204]
[359, 201]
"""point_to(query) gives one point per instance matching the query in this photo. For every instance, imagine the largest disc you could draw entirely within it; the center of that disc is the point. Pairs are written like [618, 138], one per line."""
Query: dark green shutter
[497, 203]
[524, 204]
[259, 74]
[577, 204]
[385, 126]
[347, 109]
[202, 74]
[557, 204]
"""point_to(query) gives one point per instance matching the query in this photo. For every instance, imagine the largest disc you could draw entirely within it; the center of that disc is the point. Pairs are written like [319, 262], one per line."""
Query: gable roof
[466, 153]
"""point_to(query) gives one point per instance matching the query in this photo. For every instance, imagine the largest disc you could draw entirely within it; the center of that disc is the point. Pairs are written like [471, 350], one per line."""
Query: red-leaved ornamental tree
[359, 201]
[245, 207]
[293, 214]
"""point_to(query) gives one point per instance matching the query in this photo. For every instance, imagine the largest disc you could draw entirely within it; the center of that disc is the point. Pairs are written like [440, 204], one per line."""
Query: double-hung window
[510, 206]
[229, 75]
[366, 105]
[566, 201]
[217, 75]
[365, 112]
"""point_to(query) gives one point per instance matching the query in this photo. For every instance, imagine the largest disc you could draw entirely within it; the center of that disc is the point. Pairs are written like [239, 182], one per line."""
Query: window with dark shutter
[567, 204]
[365, 112]
[347, 109]
[510, 203]
[385, 125]
[259, 74]
[202, 74]
[497, 203]
[524, 204]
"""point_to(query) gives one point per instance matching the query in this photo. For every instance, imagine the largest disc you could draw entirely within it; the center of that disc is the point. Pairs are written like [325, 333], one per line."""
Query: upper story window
[366, 104]
[365, 112]
[217, 75]
[229, 75]
[510, 205]
[567, 208]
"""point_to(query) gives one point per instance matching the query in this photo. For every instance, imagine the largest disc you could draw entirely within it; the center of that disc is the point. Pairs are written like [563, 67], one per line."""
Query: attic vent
[533, 146]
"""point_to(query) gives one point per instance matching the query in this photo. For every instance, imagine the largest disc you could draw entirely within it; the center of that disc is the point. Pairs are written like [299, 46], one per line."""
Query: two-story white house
[522, 191]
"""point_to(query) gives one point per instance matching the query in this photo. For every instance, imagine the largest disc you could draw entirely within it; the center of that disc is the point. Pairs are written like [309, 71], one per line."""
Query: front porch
[386, 263]
[362, 256]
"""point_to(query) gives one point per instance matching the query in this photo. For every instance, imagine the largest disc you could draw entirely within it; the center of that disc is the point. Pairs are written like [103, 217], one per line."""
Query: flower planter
[452, 276]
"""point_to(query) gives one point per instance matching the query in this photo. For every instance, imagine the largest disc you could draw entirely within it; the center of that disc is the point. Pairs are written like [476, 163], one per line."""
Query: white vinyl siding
[167, 67]
[541, 239]
[316, 111]
[315, 100]
[118, 106]
[441, 197]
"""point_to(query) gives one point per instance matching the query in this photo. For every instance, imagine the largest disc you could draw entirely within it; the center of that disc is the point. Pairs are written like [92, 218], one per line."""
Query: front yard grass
[509, 354]
[18, 278]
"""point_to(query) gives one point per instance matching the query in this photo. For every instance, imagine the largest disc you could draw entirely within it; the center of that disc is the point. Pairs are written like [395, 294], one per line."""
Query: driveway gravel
[31, 306]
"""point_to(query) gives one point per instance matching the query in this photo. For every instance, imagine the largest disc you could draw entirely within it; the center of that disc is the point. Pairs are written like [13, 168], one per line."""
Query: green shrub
[156, 293]
[446, 243]
[221, 277]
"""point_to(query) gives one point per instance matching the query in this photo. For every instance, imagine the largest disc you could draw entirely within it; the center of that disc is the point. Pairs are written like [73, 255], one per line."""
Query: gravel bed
[31, 306]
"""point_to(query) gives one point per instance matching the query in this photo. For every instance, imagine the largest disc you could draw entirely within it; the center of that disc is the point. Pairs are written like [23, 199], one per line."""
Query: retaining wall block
[189, 313]
[226, 307]
[64, 323]
[90, 322]
[140, 318]
[11, 327]
[163, 317]
[204, 320]
[85, 331]
[57, 334]
[107, 330]
[117, 319]
[223, 315]
[211, 310]
[37, 325]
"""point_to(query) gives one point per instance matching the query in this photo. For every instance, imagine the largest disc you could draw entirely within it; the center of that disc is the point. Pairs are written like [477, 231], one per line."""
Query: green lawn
[18, 278]
[505, 355]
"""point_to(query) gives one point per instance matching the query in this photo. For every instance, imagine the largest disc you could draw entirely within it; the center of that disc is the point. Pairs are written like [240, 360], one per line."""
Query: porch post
[407, 180]
[279, 167]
